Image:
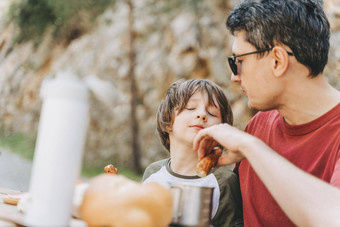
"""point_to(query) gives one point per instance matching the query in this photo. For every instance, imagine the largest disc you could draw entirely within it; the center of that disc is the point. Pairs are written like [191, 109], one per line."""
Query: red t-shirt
[313, 147]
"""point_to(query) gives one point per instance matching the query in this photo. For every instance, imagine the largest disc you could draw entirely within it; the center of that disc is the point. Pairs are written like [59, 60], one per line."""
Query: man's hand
[225, 135]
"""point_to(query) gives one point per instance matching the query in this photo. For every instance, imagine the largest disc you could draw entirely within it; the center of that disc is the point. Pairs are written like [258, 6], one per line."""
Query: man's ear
[280, 61]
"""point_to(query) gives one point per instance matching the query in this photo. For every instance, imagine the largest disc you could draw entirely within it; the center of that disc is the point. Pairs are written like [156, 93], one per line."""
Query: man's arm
[307, 200]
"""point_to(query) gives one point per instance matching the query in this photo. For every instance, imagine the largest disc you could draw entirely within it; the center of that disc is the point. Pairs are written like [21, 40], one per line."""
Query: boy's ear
[280, 61]
[169, 128]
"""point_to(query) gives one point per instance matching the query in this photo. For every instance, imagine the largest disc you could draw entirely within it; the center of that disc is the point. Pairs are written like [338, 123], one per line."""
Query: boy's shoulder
[225, 174]
[158, 163]
[154, 167]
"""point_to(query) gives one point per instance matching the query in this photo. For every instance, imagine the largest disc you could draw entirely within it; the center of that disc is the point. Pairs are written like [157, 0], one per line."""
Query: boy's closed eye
[213, 111]
[212, 114]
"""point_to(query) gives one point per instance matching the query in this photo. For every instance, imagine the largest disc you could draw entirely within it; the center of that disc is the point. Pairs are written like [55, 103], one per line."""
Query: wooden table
[10, 216]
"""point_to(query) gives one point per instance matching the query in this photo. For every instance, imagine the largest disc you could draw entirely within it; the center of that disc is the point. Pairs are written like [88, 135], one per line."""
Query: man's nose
[235, 78]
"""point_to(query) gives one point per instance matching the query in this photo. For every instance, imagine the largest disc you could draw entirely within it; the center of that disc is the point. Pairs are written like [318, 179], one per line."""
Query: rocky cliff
[169, 43]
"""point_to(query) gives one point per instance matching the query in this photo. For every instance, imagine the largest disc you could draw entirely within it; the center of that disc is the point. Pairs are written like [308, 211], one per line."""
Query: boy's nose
[202, 117]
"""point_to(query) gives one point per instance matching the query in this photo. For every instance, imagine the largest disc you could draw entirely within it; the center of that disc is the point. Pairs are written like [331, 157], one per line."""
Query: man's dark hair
[299, 24]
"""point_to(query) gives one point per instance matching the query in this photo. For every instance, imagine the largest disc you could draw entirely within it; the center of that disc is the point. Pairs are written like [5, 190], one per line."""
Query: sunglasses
[232, 59]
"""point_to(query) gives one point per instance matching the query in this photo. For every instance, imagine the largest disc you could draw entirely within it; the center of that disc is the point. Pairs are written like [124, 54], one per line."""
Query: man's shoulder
[154, 167]
[264, 119]
[266, 114]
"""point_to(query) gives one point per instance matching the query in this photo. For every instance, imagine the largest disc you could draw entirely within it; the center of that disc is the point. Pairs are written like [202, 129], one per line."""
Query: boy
[188, 107]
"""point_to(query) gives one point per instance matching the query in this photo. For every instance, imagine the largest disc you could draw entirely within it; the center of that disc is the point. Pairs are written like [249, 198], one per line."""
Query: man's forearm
[307, 200]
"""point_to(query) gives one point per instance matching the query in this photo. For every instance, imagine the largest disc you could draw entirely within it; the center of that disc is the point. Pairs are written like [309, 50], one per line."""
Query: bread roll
[114, 200]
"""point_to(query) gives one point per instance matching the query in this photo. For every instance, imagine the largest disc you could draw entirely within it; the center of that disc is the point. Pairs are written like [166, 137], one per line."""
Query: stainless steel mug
[192, 205]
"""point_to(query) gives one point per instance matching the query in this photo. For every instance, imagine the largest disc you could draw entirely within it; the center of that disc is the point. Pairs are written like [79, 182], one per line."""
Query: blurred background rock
[139, 47]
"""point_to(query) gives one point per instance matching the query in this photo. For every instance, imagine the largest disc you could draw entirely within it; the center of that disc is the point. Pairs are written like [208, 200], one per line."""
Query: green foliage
[66, 19]
[24, 144]
[21, 144]
[91, 171]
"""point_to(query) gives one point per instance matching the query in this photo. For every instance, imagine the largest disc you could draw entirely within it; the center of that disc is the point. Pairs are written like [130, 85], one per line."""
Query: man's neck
[308, 101]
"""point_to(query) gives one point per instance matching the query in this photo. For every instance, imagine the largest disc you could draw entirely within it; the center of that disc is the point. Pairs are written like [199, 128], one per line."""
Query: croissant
[205, 165]
[110, 169]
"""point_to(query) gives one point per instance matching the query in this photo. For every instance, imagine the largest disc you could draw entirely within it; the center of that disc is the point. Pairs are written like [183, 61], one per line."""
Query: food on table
[77, 200]
[205, 165]
[110, 169]
[10, 199]
[114, 200]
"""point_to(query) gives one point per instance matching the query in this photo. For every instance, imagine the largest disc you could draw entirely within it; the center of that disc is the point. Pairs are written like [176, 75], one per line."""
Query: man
[279, 53]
